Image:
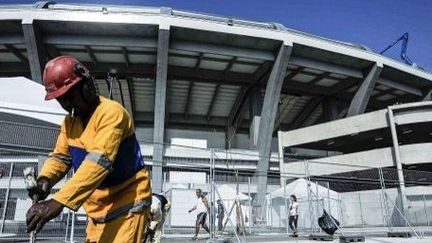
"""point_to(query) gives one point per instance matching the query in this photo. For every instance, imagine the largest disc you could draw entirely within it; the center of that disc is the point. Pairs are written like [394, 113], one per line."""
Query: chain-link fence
[362, 199]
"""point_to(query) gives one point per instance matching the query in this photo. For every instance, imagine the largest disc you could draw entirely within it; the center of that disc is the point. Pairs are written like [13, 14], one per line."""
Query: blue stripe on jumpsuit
[127, 163]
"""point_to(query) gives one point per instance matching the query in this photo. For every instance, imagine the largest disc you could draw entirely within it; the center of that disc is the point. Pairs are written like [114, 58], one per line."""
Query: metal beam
[222, 50]
[91, 54]
[159, 108]
[305, 113]
[35, 54]
[262, 70]
[236, 107]
[282, 108]
[343, 85]
[400, 86]
[126, 56]
[213, 100]
[97, 40]
[304, 89]
[230, 65]
[292, 74]
[268, 115]
[327, 67]
[175, 118]
[131, 89]
[17, 53]
[318, 78]
[188, 100]
[11, 39]
[361, 98]
[198, 63]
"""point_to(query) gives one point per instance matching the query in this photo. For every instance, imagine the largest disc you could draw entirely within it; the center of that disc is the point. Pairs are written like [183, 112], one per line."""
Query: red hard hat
[60, 74]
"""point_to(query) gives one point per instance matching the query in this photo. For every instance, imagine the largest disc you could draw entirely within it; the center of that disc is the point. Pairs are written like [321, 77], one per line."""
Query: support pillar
[268, 115]
[35, 54]
[397, 161]
[159, 108]
[361, 98]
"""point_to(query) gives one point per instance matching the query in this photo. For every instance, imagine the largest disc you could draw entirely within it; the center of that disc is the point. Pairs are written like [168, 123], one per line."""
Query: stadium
[250, 112]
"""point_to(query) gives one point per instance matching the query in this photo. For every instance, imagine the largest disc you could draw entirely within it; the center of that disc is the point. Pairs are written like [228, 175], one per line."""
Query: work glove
[42, 212]
[41, 191]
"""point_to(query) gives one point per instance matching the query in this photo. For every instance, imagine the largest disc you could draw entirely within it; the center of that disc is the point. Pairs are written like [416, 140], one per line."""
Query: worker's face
[198, 193]
[73, 102]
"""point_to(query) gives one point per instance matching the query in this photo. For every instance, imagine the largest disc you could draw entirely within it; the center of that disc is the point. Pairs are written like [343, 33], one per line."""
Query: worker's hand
[42, 190]
[42, 212]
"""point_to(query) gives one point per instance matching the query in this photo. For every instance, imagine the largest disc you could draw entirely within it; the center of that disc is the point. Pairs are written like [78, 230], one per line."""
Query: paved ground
[304, 239]
[256, 239]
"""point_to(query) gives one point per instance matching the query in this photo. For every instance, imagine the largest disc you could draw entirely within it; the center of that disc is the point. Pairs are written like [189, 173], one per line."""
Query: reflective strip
[134, 208]
[100, 159]
[61, 157]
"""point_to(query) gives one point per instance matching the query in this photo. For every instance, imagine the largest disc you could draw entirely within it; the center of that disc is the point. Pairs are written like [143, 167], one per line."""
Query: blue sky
[374, 23]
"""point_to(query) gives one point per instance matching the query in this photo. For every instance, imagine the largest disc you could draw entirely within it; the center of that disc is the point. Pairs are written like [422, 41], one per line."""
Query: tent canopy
[24, 97]
[300, 189]
[229, 193]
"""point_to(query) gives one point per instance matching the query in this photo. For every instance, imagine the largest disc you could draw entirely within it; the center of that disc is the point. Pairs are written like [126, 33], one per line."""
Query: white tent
[229, 193]
[24, 97]
[299, 188]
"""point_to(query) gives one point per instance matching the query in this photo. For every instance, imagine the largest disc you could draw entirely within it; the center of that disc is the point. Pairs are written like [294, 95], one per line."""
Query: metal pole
[306, 166]
[340, 209]
[67, 226]
[7, 197]
[328, 197]
[228, 217]
[71, 239]
[384, 200]
[397, 159]
[250, 206]
[317, 204]
[286, 206]
[361, 210]
[424, 206]
[382, 211]
[211, 178]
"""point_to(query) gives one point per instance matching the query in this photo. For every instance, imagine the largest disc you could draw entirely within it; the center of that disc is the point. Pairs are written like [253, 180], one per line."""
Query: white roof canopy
[21, 96]
[300, 190]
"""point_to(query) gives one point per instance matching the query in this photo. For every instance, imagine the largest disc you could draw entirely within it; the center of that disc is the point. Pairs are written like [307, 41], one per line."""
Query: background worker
[293, 214]
[158, 210]
[220, 214]
[97, 139]
[202, 207]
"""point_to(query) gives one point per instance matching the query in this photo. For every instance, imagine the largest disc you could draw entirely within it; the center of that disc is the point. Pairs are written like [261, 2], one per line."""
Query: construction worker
[97, 140]
[158, 210]
[202, 207]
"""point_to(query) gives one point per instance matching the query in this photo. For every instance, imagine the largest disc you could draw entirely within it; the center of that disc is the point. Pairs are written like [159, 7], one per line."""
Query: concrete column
[361, 98]
[35, 54]
[397, 160]
[427, 95]
[255, 107]
[159, 108]
[268, 115]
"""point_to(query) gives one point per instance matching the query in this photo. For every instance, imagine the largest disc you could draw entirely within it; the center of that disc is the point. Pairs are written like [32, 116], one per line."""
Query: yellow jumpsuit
[111, 181]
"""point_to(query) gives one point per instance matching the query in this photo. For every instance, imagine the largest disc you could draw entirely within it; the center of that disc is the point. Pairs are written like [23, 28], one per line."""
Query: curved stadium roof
[214, 62]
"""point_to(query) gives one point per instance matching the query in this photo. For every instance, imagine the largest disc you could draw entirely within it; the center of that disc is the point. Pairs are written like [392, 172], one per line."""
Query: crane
[403, 55]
